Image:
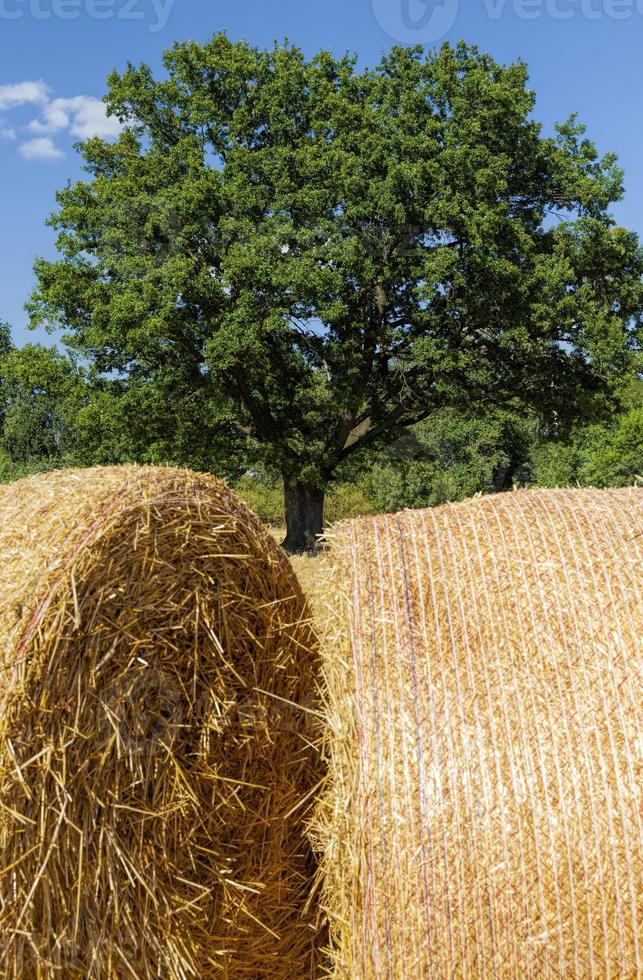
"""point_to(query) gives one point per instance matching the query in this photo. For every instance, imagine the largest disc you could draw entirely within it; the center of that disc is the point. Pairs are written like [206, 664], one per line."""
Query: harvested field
[157, 736]
[483, 685]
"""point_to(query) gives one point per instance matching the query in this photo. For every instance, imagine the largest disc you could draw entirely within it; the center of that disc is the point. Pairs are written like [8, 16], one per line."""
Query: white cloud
[40, 148]
[83, 116]
[23, 93]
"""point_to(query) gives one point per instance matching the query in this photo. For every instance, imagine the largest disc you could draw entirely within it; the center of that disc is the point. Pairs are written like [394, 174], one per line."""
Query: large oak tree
[311, 256]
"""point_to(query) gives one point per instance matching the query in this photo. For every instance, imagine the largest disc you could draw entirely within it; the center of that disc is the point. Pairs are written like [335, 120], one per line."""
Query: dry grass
[314, 574]
[157, 737]
[483, 694]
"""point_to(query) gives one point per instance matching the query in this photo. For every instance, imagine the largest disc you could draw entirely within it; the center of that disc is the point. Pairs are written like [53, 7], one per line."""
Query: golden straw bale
[483, 688]
[157, 736]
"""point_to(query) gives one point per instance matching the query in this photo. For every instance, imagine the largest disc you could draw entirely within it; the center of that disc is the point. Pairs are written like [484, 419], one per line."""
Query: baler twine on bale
[483, 689]
[157, 744]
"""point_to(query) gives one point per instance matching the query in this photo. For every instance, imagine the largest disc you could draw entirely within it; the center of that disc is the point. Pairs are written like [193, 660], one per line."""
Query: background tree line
[52, 414]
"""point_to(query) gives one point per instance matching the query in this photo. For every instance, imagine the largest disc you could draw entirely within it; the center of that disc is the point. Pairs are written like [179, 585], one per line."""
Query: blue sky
[583, 55]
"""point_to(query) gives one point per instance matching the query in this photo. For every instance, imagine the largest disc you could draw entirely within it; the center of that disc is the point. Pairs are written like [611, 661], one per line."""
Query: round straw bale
[157, 755]
[484, 688]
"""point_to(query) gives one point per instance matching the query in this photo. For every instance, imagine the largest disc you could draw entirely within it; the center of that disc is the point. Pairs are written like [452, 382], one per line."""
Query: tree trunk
[304, 516]
[503, 477]
[500, 477]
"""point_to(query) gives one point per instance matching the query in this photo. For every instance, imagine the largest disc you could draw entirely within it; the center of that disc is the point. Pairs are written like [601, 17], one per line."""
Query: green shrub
[597, 455]
[449, 457]
[555, 465]
[345, 501]
[10, 470]
[266, 499]
[614, 457]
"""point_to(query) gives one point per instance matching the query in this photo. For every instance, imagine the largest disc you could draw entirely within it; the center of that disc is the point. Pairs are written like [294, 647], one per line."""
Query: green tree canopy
[305, 257]
[601, 455]
[6, 346]
[451, 456]
[41, 393]
[5, 339]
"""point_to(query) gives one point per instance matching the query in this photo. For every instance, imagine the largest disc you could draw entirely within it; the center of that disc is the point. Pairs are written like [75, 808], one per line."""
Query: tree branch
[396, 418]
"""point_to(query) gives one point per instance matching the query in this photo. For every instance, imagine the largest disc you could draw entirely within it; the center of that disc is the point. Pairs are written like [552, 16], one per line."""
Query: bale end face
[156, 745]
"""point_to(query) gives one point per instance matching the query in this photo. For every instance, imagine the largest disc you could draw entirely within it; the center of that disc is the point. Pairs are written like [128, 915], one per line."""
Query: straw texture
[156, 763]
[484, 688]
